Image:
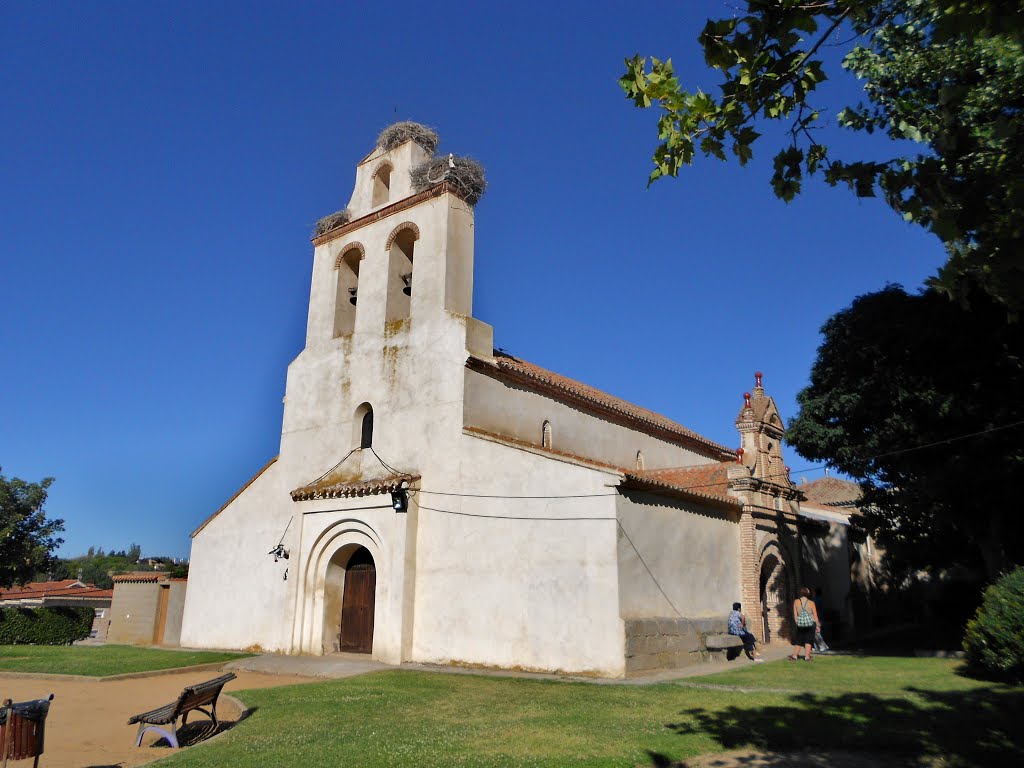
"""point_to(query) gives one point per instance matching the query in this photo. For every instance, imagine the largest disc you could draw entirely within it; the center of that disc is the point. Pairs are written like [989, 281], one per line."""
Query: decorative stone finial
[746, 399]
[739, 455]
[757, 379]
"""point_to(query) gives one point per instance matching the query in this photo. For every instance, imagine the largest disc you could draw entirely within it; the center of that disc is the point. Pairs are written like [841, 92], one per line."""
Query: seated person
[738, 627]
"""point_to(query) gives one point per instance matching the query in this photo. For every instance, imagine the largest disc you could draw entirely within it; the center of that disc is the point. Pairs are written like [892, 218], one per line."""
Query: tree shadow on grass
[924, 728]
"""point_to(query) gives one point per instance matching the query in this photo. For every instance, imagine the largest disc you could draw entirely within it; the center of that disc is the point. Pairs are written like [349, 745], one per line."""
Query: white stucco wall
[518, 582]
[237, 595]
[693, 554]
[495, 406]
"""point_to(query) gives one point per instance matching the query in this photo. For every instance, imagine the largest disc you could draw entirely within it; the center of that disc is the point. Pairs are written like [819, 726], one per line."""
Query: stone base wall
[670, 643]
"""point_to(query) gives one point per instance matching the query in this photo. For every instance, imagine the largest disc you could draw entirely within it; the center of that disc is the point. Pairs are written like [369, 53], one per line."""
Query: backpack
[804, 618]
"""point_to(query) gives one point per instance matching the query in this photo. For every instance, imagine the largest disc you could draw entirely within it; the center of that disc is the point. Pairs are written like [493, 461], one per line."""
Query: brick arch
[398, 230]
[380, 167]
[346, 249]
[773, 608]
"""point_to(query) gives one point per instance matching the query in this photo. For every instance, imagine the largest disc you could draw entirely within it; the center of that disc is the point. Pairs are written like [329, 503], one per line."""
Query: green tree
[94, 572]
[946, 75]
[27, 537]
[918, 399]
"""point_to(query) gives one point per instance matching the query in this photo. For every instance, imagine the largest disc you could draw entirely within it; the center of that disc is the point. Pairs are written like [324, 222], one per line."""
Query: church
[435, 500]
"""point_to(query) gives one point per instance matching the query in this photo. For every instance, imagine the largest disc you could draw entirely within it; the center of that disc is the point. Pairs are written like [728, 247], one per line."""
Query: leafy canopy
[27, 537]
[919, 399]
[945, 75]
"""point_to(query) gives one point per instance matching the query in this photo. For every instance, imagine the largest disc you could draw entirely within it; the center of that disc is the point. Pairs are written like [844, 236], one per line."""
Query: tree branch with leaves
[946, 75]
[27, 537]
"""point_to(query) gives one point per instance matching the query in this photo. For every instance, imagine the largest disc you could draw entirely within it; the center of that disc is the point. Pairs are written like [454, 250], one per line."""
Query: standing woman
[805, 616]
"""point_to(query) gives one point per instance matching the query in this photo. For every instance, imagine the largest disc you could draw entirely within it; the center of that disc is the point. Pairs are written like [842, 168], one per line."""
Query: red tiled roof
[705, 482]
[562, 387]
[34, 587]
[831, 492]
[329, 488]
[140, 577]
[39, 590]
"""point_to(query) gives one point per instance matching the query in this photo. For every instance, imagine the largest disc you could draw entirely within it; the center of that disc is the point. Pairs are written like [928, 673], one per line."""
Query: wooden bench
[193, 697]
[22, 726]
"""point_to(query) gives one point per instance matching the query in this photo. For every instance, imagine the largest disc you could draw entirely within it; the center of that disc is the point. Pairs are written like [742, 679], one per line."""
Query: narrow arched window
[639, 460]
[381, 185]
[363, 426]
[366, 431]
[545, 435]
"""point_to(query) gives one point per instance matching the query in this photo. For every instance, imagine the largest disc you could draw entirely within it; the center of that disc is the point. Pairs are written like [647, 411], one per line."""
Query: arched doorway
[774, 594]
[357, 603]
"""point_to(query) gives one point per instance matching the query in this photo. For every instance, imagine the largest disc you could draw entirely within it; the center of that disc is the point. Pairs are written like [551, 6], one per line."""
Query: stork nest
[397, 134]
[332, 221]
[466, 177]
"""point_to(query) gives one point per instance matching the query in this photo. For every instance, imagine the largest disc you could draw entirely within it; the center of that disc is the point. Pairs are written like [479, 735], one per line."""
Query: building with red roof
[438, 500]
[63, 593]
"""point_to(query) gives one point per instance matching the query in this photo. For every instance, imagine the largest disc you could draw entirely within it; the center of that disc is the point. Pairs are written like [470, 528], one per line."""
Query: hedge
[44, 626]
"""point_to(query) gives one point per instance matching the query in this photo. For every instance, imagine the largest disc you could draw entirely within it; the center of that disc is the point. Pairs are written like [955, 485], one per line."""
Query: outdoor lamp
[400, 498]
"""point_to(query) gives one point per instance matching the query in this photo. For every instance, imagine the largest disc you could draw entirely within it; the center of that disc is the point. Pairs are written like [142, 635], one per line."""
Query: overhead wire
[697, 486]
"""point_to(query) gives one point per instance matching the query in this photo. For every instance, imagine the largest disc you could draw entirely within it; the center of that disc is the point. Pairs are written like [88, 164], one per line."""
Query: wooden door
[357, 604]
[161, 614]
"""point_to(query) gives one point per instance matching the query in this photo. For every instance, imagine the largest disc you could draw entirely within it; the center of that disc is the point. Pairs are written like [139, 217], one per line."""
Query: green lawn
[101, 660]
[915, 709]
[881, 675]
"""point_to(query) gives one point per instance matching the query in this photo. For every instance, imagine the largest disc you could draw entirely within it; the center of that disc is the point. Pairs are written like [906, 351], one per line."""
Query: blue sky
[161, 165]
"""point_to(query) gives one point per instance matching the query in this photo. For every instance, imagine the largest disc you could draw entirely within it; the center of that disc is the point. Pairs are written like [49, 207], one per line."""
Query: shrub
[994, 641]
[44, 626]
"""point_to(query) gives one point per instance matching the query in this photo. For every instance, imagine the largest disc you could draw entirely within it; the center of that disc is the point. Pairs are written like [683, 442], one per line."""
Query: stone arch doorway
[774, 592]
[350, 600]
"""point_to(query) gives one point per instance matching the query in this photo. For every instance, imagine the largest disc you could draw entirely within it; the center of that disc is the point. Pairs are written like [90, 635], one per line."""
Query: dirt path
[87, 725]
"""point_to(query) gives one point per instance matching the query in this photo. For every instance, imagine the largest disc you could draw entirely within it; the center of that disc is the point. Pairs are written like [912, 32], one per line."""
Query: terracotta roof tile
[831, 492]
[708, 482]
[40, 590]
[576, 391]
[705, 482]
[34, 587]
[140, 577]
[333, 487]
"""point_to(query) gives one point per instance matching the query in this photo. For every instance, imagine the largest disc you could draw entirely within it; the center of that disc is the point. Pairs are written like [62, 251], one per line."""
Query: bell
[352, 296]
[407, 279]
